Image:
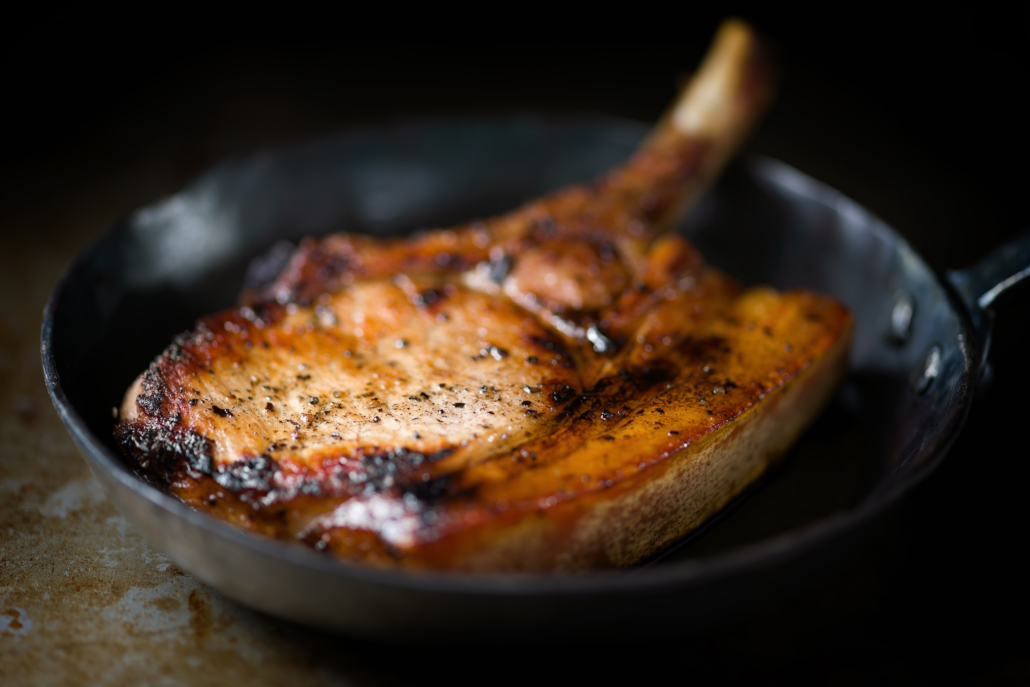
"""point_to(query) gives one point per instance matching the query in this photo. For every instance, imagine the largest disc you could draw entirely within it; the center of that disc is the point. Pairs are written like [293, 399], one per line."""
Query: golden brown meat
[563, 387]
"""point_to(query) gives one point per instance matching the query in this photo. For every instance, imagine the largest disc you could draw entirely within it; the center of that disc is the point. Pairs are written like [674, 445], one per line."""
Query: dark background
[921, 118]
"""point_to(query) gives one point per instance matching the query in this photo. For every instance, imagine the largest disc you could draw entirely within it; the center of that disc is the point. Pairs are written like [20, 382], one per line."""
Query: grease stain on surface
[84, 599]
[167, 604]
[73, 496]
[26, 409]
[200, 614]
[15, 621]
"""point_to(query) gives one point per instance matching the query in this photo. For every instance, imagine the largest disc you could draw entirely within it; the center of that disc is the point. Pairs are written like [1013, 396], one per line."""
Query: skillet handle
[980, 285]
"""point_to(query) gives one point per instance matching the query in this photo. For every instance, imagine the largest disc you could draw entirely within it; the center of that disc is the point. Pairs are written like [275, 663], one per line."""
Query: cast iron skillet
[919, 348]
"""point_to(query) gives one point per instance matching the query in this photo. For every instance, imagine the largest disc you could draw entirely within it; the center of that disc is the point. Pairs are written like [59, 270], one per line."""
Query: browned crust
[483, 508]
[626, 391]
[659, 501]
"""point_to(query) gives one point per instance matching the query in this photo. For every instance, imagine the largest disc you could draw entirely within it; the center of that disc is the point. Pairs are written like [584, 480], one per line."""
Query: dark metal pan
[919, 350]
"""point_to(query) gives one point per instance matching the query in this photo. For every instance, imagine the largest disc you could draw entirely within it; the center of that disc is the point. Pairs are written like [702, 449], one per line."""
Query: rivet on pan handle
[903, 313]
[928, 371]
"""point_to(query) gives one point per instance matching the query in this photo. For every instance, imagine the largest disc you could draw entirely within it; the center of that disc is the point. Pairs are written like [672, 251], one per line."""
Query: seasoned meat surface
[567, 386]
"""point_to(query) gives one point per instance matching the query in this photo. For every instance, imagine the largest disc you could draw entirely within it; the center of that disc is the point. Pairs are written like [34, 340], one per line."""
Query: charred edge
[432, 492]
[252, 474]
[383, 470]
[311, 270]
[164, 450]
[150, 403]
[154, 391]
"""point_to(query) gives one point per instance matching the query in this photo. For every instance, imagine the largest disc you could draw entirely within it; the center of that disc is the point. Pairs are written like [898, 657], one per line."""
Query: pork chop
[568, 386]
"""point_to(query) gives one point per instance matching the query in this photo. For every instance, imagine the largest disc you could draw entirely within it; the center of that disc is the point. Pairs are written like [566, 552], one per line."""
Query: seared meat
[563, 387]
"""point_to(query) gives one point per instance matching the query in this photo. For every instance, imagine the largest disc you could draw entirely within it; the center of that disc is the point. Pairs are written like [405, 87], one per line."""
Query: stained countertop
[84, 599]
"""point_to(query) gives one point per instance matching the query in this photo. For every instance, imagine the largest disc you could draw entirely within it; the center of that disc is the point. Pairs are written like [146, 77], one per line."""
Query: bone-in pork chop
[564, 387]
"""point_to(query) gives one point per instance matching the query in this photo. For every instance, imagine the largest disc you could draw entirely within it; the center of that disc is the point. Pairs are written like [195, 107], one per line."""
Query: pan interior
[152, 274]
